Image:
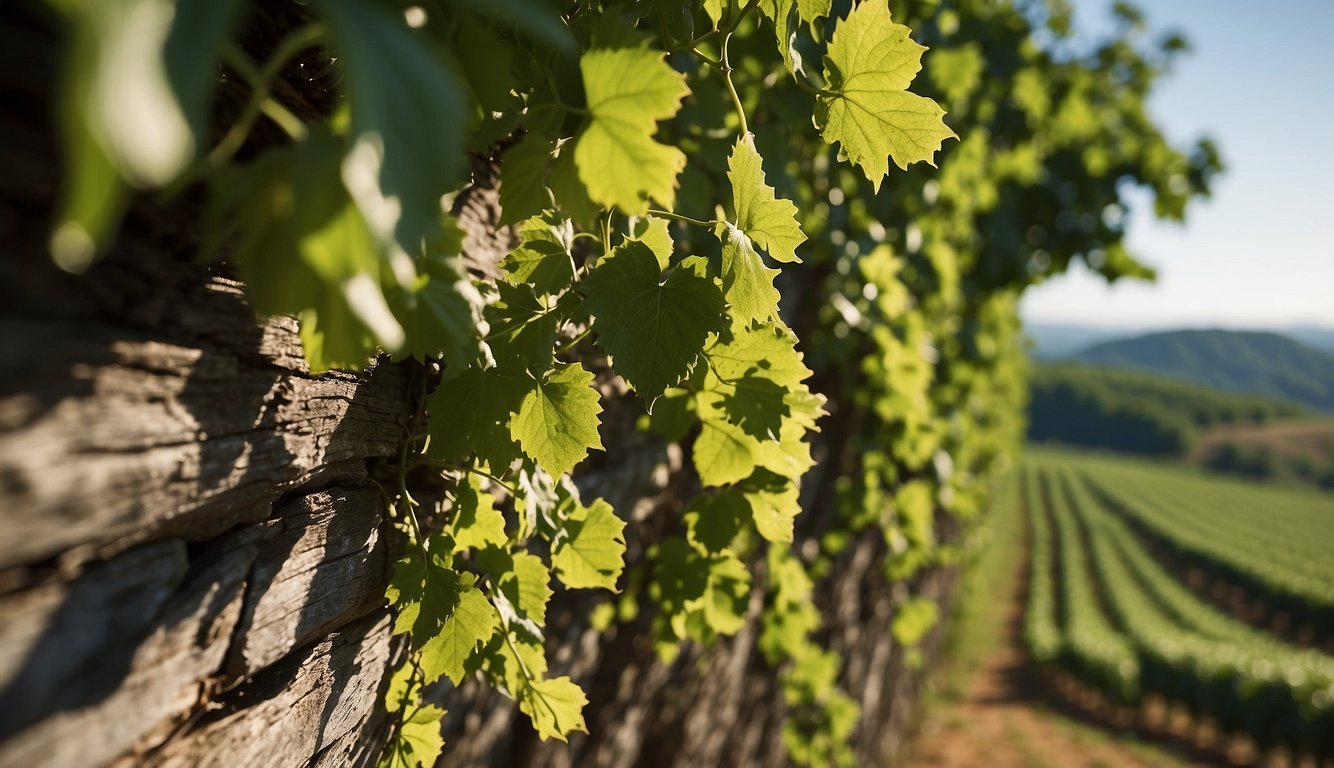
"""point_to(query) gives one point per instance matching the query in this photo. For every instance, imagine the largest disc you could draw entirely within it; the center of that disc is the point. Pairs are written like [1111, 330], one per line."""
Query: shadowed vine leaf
[654, 330]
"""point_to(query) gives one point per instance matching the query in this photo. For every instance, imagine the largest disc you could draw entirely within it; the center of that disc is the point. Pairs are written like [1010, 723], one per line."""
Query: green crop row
[1130, 629]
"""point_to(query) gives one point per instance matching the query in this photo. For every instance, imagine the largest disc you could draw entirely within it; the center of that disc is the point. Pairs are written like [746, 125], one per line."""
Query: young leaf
[419, 741]
[476, 522]
[653, 330]
[747, 283]
[769, 222]
[471, 625]
[591, 552]
[628, 91]
[723, 453]
[542, 259]
[555, 706]
[869, 65]
[523, 588]
[653, 232]
[557, 422]
[774, 505]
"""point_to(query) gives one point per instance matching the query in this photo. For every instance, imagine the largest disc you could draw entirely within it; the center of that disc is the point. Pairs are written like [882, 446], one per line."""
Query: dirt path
[1004, 721]
[1010, 717]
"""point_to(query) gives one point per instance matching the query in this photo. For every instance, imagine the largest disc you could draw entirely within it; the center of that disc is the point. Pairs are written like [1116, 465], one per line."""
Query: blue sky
[1260, 80]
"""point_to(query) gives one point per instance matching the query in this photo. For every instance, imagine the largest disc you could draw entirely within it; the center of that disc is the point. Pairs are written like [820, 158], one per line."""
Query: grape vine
[661, 175]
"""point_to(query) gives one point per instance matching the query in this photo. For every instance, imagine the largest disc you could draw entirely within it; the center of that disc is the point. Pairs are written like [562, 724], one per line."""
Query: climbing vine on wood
[665, 165]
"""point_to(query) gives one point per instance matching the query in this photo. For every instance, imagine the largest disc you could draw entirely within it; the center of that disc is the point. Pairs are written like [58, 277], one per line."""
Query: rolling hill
[1134, 411]
[1236, 361]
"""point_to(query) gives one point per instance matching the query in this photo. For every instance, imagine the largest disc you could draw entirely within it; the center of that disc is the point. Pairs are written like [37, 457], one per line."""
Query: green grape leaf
[406, 583]
[671, 416]
[404, 685]
[713, 521]
[425, 596]
[555, 707]
[418, 742]
[868, 110]
[199, 31]
[677, 577]
[523, 587]
[628, 91]
[714, 9]
[913, 618]
[439, 312]
[779, 12]
[723, 453]
[500, 660]
[557, 422]
[317, 259]
[764, 350]
[727, 596]
[590, 552]
[654, 331]
[654, 232]
[570, 194]
[542, 259]
[522, 333]
[407, 120]
[738, 412]
[475, 522]
[790, 455]
[471, 414]
[470, 626]
[811, 10]
[774, 505]
[747, 283]
[758, 405]
[135, 88]
[523, 180]
[958, 71]
[770, 222]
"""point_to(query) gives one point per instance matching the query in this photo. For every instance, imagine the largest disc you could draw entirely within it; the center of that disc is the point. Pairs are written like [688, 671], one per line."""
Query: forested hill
[1238, 361]
[1134, 412]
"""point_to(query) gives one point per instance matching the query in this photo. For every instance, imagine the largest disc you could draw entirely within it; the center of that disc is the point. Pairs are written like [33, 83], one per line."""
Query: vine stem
[711, 223]
[567, 346]
[560, 102]
[260, 80]
[480, 473]
[727, 76]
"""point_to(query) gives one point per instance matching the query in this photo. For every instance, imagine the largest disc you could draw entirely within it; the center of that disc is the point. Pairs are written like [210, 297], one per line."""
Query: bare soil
[1012, 715]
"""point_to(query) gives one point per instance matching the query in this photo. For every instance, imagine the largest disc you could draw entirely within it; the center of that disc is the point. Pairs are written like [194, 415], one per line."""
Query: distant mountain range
[1253, 362]
[1059, 341]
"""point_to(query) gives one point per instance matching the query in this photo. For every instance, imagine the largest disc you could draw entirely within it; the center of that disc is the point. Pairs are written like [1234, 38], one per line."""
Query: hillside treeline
[1134, 412]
